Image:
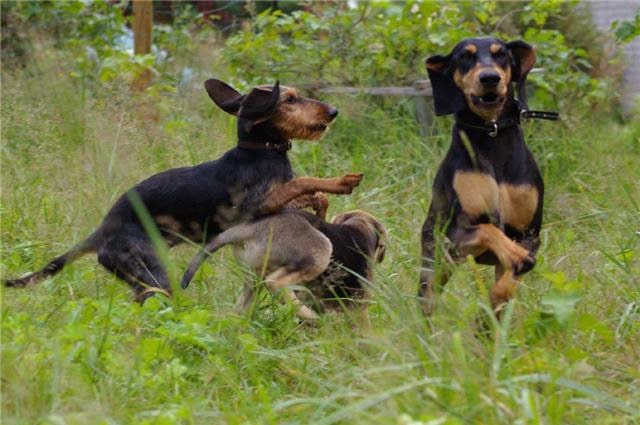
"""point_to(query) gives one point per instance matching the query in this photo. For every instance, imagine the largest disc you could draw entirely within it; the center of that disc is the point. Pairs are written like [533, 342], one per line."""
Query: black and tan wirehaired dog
[488, 192]
[197, 203]
[294, 247]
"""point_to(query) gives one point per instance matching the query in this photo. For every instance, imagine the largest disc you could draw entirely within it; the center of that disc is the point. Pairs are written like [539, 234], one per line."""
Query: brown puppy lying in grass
[295, 247]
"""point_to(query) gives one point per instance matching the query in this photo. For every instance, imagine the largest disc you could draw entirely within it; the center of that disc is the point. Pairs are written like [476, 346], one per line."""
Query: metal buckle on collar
[492, 127]
[277, 146]
[524, 115]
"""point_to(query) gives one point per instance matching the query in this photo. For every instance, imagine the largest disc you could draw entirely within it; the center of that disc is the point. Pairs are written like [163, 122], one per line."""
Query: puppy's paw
[348, 182]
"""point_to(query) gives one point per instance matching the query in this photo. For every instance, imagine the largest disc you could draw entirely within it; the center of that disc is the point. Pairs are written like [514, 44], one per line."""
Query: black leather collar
[268, 146]
[518, 114]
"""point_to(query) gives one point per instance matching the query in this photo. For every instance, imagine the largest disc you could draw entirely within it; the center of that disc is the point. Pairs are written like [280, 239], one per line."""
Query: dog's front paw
[519, 259]
[320, 205]
[527, 264]
[348, 182]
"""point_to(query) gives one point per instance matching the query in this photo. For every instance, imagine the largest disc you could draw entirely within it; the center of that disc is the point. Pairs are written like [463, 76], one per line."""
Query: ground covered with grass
[76, 350]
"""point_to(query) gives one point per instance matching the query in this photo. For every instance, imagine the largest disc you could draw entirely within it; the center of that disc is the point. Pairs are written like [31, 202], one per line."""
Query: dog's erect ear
[447, 97]
[226, 97]
[259, 104]
[524, 57]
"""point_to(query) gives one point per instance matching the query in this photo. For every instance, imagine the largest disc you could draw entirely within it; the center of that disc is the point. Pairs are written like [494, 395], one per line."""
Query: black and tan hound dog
[199, 202]
[488, 192]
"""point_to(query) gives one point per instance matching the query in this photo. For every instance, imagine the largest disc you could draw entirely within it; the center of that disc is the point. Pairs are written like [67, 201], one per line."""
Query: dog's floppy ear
[376, 230]
[381, 247]
[259, 104]
[447, 97]
[226, 97]
[524, 57]
[341, 218]
[381, 250]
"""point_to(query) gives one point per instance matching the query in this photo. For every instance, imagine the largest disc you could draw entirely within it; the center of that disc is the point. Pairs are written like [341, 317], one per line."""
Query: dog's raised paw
[350, 181]
[526, 264]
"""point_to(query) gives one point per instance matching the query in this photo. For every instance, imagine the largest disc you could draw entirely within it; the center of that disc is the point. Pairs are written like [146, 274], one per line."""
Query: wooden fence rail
[420, 91]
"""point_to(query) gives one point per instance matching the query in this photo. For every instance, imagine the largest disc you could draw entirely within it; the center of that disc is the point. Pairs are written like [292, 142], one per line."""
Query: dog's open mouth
[318, 127]
[488, 100]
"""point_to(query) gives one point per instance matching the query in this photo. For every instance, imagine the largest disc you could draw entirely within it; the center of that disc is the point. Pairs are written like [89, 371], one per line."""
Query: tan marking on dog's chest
[518, 204]
[479, 193]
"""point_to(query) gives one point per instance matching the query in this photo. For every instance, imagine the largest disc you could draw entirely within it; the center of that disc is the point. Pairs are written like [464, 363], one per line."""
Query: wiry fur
[199, 202]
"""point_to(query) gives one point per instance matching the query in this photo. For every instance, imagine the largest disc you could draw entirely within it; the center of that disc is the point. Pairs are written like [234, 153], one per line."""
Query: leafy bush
[626, 31]
[386, 44]
[97, 35]
[377, 43]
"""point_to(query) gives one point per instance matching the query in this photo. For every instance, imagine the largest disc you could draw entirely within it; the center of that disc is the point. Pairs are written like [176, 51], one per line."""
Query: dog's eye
[467, 56]
[291, 99]
[500, 54]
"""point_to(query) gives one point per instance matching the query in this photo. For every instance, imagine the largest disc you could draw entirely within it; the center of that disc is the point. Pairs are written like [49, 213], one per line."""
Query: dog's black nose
[333, 113]
[489, 78]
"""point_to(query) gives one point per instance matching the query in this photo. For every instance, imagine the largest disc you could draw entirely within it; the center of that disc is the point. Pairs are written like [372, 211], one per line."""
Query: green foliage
[386, 43]
[89, 29]
[626, 31]
[375, 43]
[96, 34]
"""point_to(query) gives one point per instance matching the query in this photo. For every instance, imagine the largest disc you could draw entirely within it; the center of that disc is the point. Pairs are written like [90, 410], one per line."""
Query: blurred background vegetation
[318, 43]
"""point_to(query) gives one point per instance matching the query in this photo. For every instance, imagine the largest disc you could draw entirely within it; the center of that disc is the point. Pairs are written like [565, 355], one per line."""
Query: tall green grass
[76, 350]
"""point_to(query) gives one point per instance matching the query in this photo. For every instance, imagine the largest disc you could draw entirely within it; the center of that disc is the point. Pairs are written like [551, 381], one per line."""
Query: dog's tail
[234, 234]
[55, 265]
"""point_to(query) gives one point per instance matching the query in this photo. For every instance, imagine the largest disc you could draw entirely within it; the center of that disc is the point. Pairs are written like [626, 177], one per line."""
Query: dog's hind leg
[433, 277]
[131, 257]
[282, 278]
[504, 289]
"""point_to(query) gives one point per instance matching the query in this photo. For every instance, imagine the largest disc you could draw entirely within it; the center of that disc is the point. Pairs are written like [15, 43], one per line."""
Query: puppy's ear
[341, 218]
[381, 246]
[380, 251]
[524, 57]
[447, 97]
[226, 97]
[259, 105]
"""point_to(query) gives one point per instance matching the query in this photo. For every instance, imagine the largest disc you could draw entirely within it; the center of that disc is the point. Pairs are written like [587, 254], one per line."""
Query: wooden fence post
[142, 21]
[424, 113]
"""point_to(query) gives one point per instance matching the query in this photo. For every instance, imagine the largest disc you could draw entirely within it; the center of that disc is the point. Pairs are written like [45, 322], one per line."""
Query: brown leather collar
[269, 146]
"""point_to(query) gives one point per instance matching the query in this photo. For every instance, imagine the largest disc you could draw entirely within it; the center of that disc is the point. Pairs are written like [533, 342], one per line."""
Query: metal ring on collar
[492, 128]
